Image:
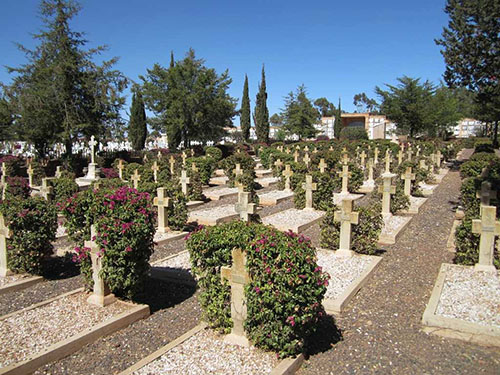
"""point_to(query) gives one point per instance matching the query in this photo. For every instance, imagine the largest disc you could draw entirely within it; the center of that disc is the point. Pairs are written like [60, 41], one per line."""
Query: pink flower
[128, 249]
[257, 289]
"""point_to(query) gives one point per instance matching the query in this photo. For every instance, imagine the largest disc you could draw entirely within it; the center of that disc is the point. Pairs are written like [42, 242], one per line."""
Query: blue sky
[335, 48]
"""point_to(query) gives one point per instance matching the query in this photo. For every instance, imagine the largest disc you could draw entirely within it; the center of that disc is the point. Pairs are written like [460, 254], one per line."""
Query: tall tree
[445, 111]
[61, 93]
[137, 128]
[471, 45]
[245, 112]
[276, 120]
[261, 113]
[299, 115]
[337, 126]
[408, 104]
[325, 108]
[190, 101]
[363, 103]
[6, 120]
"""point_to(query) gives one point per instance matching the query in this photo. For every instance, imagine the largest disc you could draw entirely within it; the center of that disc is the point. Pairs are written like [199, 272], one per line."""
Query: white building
[468, 127]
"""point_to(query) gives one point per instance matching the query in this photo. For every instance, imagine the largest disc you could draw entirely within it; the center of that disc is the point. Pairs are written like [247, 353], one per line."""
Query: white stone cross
[370, 170]
[155, 170]
[296, 156]
[121, 167]
[388, 160]
[184, 156]
[237, 170]
[488, 227]
[322, 165]
[172, 165]
[58, 172]
[400, 156]
[309, 187]
[278, 164]
[101, 294]
[163, 203]
[345, 156]
[30, 175]
[409, 153]
[418, 151]
[408, 177]
[422, 164]
[306, 148]
[92, 145]
[287, 150]
[438, 158]
[375, 159]
[184, 182]
[287, 173]
[243, 207]
[307, 160]
[486, 193]
[346, 217]
[362, 157]
[4, 234]
[136, 177]
[46, 189]
[387, 189]
[238, 277]
[345, 178]
[194, 168]
[159, 155]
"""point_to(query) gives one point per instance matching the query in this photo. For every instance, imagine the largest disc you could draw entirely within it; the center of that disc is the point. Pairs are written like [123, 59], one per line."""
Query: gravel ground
[392, 223]
[4, 280]
[180, 261]
[380, 331]
[292, 218]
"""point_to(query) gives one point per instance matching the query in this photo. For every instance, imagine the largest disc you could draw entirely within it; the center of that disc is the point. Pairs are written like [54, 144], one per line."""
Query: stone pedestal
[91, 172]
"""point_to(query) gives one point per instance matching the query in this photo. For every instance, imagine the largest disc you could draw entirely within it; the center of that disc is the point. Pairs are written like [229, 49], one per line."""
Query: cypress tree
[245, 112]
[261, 112]
[137, 128]
[337, 126]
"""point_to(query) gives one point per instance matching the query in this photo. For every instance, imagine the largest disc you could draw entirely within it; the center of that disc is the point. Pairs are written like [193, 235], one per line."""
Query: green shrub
[287, 287]
[18, 187]
[483, 156]
[364, 236]
[468, 198]
[229, 164]
[213, 153]
[33, 224]
[195, 187]
[63, 188]
[472, 168]
[399, 201]
[205, 166]
[484, 146]
[353, 133]
[322, 196]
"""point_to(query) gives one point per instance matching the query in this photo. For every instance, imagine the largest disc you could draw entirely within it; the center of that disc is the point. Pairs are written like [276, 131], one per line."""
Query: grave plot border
[266, 183]
[287, 366]
[176, 236]
[172, 275]
[296, 229]
[451, 327]
[337, 306]
[390, 239]
[20, 284]
[210, 221]
[267, 202]
[74, 343]
[218, 197]
[450, 244]
[194, 204]
[413, 210]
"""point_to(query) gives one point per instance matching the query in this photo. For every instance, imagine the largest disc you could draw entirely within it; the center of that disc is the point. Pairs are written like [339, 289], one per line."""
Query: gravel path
[381, 327]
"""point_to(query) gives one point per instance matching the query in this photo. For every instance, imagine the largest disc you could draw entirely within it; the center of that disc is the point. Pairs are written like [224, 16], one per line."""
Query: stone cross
[346, 217]
[92, 145]
[486, 193]
[243, 207]
[184, 182]
[309, 187]
[488, 227]
[375, 159]
[322, 165]
[287, 150]
[238, 277]
[400, 156]
[307, 160]
[418, 151]
[331, 148]
[136, 177]
[345, 156]
[409, 153]
[296, 156]
[387, 189]
[155, 170]
[278, 164]
[363, 157]
[145, 158]
[30, 175]
[306, 148]
[4, 173]
[237, 170]
[438, 158]
[58, 172]
[163, 203]
[159, 155]
[315, 150]
[388, 161]
[184, 156]
[345, 178]
[192, 152]
[408, 177]
[121, 167]
[4, 234]
[194, 168]
[287, 173]
[422, 164]
[46, 189]
[101, 294]
[172, 164]
[370, 170]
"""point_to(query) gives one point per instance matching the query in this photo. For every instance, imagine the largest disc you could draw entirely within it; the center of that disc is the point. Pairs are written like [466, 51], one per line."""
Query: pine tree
[261, 113]
[299, 115]
[337, 126]
[245, 112]
[137, 128]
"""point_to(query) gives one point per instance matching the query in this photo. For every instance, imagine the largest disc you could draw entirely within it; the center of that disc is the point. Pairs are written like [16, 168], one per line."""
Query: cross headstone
[400, 156]
[409, 153]
[307, 160]
[46, 189]
[422, 165]
[322, 165]
[315, 150]
[4, 234]
[362, 157]
[345, 156]
[184, 182]
[192, 152]
[172, 165]
[488, 227]
[387, 189]
[278, 164]
[101, 294]
[375, 157]
[309, 187]
[159, 155]
[370, 170]
[418, 151]
[30, 175]
[237, 170]
[155, 170]
[243, 207]
[408, 177]
[163, 203]
[438, 158]
[194, 168]
[58, 173]
[346, 217]
[121, 167]
[145, 158]
[330, 148]
[296, 156]
[485, 194]
[288, 151]
[345, 178]
[287, 173]
[238, 277]
[136, 177]
[4, 173]
[306, 148]
[388, 161]
[92, 145]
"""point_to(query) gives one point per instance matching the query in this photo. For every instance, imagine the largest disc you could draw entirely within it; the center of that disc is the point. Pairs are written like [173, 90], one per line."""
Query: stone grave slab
[427, 189]
[293, 219]
[260, 173]
[16, 282]
[415, 204]
[339, 197]
[393, 226]
[48, 331]
[219, 180]
[201, 350]
[220, 173]
[214, 216]
[267, 181]
[272, 198]
[163, 238]
[216, 194]
[367, 187]
[464, 305]
[175, 268]
[347, 276]
[194, 204]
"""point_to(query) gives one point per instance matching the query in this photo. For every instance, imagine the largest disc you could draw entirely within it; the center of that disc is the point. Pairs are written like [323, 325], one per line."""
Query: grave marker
[488, 227]
[121, 167]
[388, 160]
[375, 159]
[486, 193]
[243, 207]
[307, 160]
[58, 173]
[237, 171]
[408, 177]
[346, 217]
[409, 153]
[172, 164]
[296, 156]
[345, 178]
[30, 175]
[163, 203]
[309, 187]
[370, 170]
[278, 164]
[184, 182]
[322, 165]
[400, 156]
[387, 189]
[345, 156]
[4, 235]
[136, 177]
[46, 189]
[362, 157]
[4, 173]
[184, 156]
[287, 173]
[155, 170]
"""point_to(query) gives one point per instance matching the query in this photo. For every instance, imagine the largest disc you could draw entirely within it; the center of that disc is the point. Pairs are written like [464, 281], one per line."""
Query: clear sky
[335, 48]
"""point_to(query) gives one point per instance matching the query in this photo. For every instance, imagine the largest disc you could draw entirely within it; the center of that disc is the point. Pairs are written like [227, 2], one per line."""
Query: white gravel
[342, 270]
[471, 296]
[339, 197]
[207, 353]
[291, 218]
[5, 280]
[393, 223]
[266, 181]
[217, 193]
[26, 333]
[165, 236]
[214, 212]
[180, 261]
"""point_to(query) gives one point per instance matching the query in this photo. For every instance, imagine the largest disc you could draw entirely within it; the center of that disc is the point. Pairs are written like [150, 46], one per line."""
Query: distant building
[325, 128]
[468, 127]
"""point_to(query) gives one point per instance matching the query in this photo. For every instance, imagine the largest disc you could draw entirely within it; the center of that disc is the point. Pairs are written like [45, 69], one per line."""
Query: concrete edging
[413, 210]
[70, 345]
[390, 239]
[451, 327]
[171, 274]
[175, 237]
[20, 284]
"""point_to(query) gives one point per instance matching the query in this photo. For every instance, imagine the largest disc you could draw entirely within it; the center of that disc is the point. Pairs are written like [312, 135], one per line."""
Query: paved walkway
[381, 328]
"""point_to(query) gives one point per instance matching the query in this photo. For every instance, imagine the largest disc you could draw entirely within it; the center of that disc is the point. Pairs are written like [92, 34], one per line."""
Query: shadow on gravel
[57, 268]
[161, 294]
[326, 335]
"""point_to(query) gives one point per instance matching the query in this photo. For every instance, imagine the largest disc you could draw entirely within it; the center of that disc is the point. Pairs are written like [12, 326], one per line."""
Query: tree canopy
[364, 104]
[299, 115]
[261, 113]
[245, 112]
[137, 128]
[324, 107]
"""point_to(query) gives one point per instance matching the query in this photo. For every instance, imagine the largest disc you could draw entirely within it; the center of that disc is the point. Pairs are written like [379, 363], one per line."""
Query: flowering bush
[63, 188]
[287, 287]
[33, 225]
[229, 164]
[18, 186]
[109, 173]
